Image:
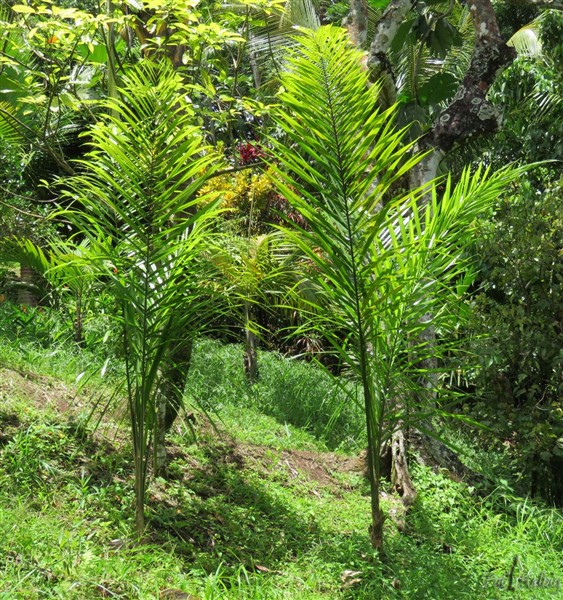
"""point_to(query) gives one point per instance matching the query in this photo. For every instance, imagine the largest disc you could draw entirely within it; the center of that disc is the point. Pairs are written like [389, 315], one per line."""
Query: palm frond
[276, 31]
[526, 41]
[10, 131]
[547, 102]
[458, 58]
[302, 13]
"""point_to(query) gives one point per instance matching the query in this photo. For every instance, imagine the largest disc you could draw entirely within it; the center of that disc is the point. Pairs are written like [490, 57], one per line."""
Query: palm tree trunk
[175, 378]
[374, 476]
[250, 348]
[400, 474]
[78, 321]
[170, 399]
[159, 441]
[140, 482]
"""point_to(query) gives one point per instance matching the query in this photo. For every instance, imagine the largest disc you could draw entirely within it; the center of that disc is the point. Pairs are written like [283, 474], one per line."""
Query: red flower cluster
[249, 153]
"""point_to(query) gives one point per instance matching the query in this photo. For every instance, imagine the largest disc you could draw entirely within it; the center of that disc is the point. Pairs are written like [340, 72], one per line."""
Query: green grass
[290, 391]
[39, 340]
[264, 504]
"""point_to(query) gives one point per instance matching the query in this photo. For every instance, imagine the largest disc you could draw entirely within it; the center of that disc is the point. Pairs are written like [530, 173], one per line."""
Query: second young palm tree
[384, 263]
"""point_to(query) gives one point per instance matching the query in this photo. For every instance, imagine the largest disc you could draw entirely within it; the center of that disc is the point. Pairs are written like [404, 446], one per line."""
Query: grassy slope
[255, 507]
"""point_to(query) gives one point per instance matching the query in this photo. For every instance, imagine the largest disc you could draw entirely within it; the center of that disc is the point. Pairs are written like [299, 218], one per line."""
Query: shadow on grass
[221, 517]
[220, 514]
[426, 561]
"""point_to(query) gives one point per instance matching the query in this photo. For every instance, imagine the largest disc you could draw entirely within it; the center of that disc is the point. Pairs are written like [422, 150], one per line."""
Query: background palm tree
[258, 270]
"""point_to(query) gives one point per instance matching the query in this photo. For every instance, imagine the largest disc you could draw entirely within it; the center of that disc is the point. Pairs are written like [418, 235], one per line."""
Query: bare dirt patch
[319, 467]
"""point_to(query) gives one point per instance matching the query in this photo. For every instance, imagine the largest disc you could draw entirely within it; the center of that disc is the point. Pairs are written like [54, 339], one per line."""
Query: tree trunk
[400, 475]
[139, 493]
[374, 478]
[250, 348]
[169, 400]
[470, 113]
[159, 442]
[378, 63]
[79, 321]
[26, 287]
[357, 22]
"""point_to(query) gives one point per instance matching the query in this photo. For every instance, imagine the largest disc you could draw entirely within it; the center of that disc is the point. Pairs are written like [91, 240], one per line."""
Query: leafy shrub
[7, 278]
[40, 325]
[519, 310]
[251, 200]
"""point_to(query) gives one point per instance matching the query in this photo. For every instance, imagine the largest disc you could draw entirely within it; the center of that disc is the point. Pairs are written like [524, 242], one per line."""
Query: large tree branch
[388, 25]
[470, 113]
[357, 22]
[378, 62]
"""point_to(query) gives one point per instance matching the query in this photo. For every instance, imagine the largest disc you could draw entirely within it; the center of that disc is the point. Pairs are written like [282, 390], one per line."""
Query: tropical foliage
[135, 203]
[386, 267]
[173, 171]
[517, 313]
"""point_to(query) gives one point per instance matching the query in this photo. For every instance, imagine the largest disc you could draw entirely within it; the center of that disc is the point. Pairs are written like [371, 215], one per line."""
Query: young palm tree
[256, 269]
[70, 278]
[135, 201]
[384, 264]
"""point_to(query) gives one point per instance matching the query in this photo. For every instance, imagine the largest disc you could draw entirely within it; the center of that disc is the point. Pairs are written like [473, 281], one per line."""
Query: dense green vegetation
[280, 309]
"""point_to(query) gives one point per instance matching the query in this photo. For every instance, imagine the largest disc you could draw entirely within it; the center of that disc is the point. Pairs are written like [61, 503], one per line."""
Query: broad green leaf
[23, 9]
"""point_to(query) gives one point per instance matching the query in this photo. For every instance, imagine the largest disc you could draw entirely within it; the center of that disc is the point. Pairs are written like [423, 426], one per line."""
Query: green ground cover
[265, 496]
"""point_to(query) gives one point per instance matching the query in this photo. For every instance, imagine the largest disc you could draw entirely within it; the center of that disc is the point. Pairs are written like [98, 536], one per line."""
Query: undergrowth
[290, 391]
